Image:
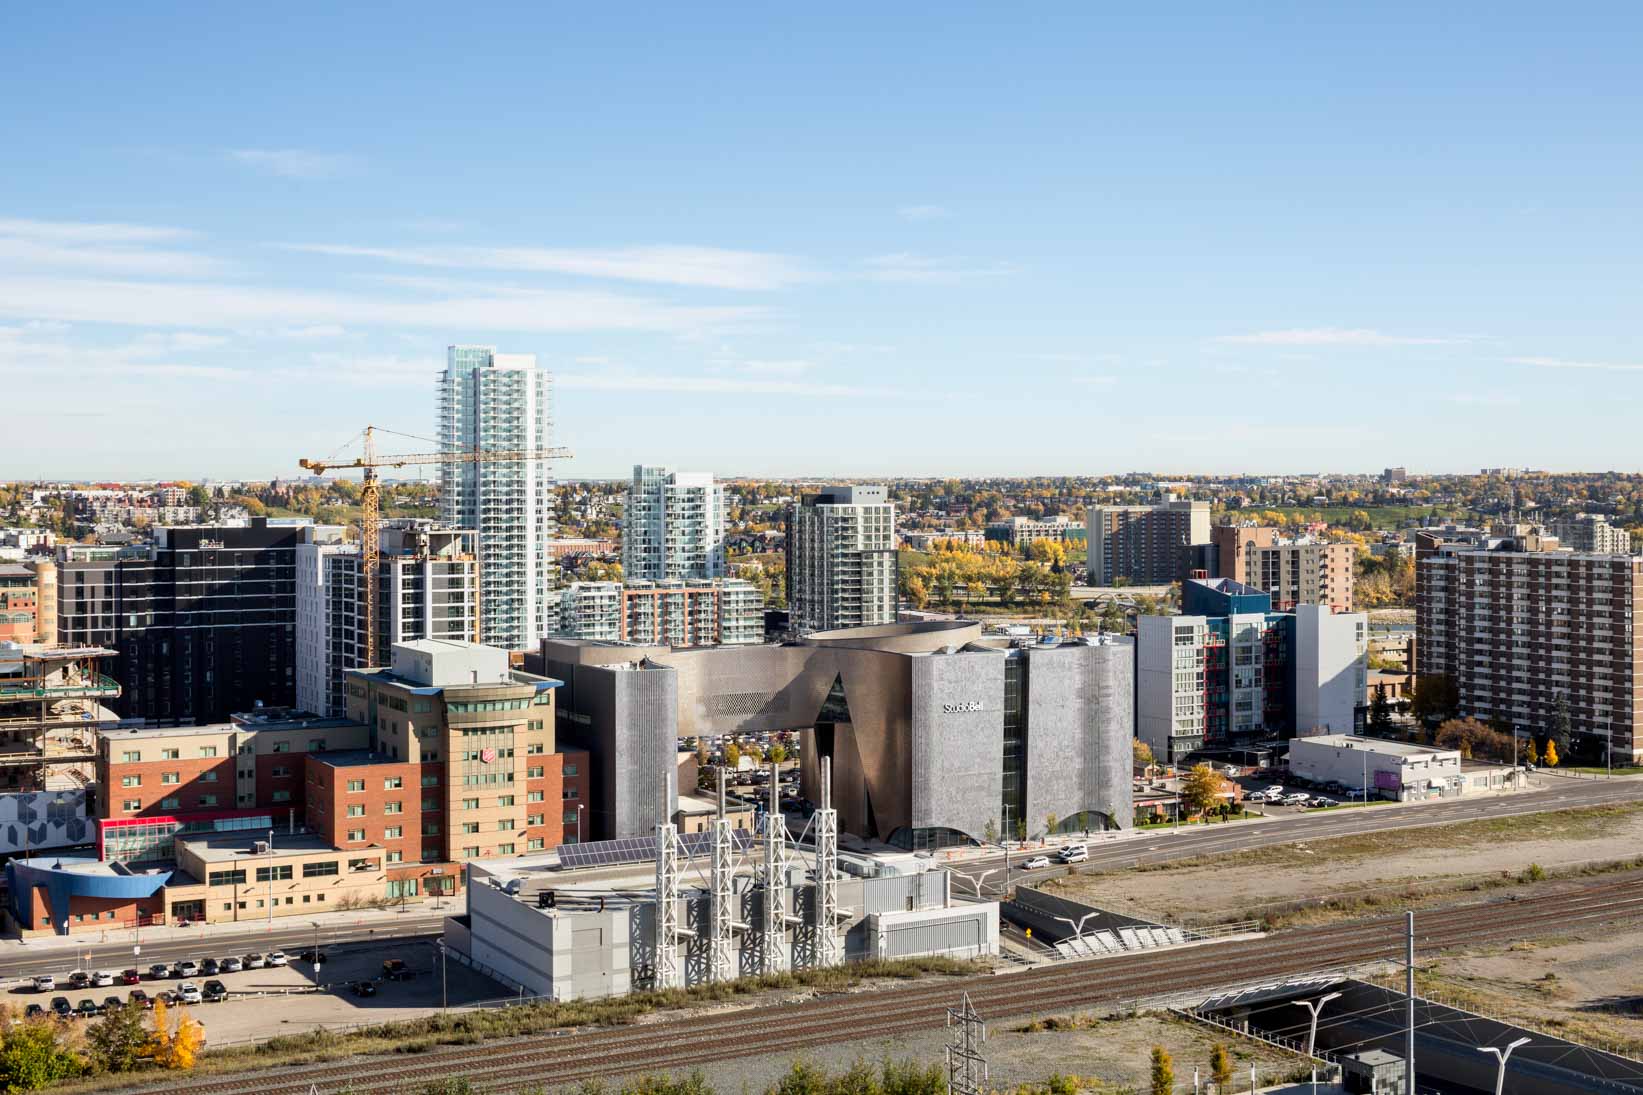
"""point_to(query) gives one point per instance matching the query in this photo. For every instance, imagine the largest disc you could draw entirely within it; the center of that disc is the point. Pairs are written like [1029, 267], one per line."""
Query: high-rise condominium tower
[673, 526]
[489, 402]
[841, 559]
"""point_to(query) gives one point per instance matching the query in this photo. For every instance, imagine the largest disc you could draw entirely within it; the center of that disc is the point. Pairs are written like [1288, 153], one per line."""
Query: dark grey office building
[204, 619]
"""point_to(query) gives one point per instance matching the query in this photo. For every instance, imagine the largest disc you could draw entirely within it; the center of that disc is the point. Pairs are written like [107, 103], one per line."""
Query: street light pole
[318, 958]
[444, 998]
[1313, 1007]
[579, 807]
[1500, 1058]
[270, 879]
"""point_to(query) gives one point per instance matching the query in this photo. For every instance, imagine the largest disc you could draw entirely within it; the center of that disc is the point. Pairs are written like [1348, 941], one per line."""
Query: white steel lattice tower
[829, 948]
[773, 930]
[669, 973]
[721, 955]
[492, 401]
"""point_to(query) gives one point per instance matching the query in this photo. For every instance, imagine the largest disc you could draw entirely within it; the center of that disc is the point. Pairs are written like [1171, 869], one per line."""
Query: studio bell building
[937, 734]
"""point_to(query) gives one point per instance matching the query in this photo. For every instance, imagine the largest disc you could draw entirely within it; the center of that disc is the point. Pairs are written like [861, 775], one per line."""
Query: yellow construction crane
[370, 502]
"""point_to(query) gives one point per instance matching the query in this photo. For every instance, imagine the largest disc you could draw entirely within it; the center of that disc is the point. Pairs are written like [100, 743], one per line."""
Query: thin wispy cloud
[618, 381]
[103, 248]
[1564, 363]
[295, 163]
[1484, 399]
[220, 306]
[907, 267]
[695, 267]
[148, 355]
[1336, 336]
[918, 213]
[775, 368]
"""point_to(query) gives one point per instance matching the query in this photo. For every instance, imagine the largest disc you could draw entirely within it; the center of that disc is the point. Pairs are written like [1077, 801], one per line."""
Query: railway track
[590, 1053]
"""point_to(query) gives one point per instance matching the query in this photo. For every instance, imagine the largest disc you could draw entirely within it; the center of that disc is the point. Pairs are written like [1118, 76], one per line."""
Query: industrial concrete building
[1387, 769]
[1146, 545]
[724, 611]
[1518, 628]
[639, 913]
[841, 559]
[492, 401]
[673, 526]
[428, 585]
[1230, 672]
[936, 735]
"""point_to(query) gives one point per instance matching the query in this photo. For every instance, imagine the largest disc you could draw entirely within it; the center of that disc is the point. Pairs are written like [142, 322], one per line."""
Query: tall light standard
[318, 958]
[1500, 1057]
[444, 998]
[579, 807]
[1078, 928]
[1313, 1007]
[270, 879]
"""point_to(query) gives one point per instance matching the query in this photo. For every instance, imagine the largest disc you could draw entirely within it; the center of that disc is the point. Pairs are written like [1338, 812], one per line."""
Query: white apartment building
[673, 526]
[723, 612]
[428, 586]
[1331, 667]
[841, 559]
[498, 401]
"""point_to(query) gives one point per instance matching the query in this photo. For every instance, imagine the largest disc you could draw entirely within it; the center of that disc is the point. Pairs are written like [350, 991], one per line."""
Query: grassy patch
[469, 1027]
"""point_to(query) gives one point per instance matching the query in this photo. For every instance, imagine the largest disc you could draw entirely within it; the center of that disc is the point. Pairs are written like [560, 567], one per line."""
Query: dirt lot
[1588, 988]
[1107, 1055]
[1270, 881]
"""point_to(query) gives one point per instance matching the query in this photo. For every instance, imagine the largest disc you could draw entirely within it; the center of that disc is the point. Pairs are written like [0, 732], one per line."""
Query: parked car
[186, 968]
[86, 1009]
[230, 965]
[79, 979]
[45, 982]
[138, 996]
[1073, 853]
[1256, 796]
[1275, 789]
[102, 979]
[277, 958]
[34, 1011]
[395, 969]
[1297, 799]
[189, 993]
[131, 977]
[159, 971]
[1318, 802]
[363, 988]
[214, 992]
[1036, 863]
[61, 1008]
[317, 954]
[166, 997]
[209, 968]
[112, 1003]
[255, 961]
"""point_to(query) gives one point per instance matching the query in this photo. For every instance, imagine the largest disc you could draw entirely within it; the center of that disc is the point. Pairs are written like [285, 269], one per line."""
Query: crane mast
[370, 498]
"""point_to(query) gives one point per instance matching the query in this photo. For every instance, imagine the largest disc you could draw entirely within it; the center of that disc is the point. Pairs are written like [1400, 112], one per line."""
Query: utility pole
[966, 1067]
[270, 879]
[1409, 975]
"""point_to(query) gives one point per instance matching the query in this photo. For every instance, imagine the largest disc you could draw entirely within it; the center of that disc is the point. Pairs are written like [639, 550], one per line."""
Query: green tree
[34, 1055]
[1163, 1072]
[1558, 730]
[1380, 713]
[117, 1042]
[777, 753]
[1436, 698]
[1049, 823]
[1220, 1068]
[1142, 753]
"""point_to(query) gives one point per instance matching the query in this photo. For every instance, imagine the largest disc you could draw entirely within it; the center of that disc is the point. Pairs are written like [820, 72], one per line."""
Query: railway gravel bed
[569, 1057]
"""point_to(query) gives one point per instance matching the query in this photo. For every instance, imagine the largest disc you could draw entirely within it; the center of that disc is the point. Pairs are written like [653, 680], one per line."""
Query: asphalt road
[1164, 845]
[21, 962]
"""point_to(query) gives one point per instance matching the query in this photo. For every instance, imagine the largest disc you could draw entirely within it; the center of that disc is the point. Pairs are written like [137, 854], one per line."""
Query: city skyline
[1142, 241]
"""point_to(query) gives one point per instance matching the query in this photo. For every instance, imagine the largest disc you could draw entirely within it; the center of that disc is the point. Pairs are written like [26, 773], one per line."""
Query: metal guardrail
[95, 685]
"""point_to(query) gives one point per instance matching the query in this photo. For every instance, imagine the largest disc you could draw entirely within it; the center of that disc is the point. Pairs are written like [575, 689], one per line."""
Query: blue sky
[852, 239]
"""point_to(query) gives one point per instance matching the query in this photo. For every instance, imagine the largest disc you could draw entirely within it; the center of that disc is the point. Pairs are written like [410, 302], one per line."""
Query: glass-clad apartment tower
[487, 402]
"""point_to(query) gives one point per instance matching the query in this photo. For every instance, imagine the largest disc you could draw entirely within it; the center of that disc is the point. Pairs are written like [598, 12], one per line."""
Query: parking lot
[264, 1003]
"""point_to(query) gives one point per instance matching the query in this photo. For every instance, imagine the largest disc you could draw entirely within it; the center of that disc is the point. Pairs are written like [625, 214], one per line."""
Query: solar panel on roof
[641, 849]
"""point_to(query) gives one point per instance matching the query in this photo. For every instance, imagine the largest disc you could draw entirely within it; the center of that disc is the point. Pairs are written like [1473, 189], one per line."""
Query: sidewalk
[421, 912]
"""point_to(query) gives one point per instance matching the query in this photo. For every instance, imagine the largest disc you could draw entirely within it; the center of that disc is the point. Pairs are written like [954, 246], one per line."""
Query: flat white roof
[1374, 745]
